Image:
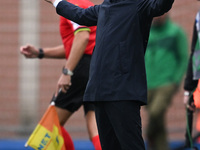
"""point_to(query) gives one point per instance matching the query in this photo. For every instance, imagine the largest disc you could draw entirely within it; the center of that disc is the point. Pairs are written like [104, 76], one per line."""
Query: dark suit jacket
[117, 70]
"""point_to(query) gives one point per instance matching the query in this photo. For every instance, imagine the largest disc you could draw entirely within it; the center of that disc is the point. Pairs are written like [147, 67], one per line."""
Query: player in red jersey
[77, 48]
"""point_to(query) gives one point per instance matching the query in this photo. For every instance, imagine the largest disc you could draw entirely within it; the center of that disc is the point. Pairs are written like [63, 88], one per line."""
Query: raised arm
[79, 15]
[155, 8]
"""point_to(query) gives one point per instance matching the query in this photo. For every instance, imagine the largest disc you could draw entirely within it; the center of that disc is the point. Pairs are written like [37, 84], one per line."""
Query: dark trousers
[119, 125]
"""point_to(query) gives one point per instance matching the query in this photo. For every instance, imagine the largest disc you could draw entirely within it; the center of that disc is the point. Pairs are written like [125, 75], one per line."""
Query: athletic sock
[96, 142]
[67, 139]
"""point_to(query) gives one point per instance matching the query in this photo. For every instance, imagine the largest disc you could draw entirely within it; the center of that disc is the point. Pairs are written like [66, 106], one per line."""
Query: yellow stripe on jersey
[81, 29]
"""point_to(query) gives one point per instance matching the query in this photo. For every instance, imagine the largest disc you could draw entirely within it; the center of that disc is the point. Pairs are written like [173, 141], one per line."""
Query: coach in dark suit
[117, 83]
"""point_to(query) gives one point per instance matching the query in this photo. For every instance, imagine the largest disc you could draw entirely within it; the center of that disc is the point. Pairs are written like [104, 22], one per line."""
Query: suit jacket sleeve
[79, 15]
[154, 8]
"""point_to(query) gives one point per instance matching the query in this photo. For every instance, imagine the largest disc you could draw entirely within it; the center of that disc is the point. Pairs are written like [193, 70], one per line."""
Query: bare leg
[63, 116]
[92, 129]
[91, 124]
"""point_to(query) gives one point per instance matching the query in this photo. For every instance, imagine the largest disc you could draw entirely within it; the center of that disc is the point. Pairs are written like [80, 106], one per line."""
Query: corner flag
[47, 135]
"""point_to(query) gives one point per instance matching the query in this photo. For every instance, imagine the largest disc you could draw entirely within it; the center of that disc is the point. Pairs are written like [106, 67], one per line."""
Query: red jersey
[69, 28]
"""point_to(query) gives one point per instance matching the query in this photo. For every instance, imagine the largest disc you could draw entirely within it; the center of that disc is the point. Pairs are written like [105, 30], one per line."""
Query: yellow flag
[47, 134]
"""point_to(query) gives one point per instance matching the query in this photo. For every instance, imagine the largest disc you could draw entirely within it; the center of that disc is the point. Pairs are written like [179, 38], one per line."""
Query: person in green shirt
[166, 62]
